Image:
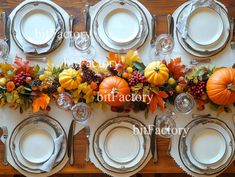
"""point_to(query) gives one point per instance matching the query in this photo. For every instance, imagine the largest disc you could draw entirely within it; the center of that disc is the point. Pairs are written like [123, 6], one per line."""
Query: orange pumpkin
[221, 86]
[113, 90]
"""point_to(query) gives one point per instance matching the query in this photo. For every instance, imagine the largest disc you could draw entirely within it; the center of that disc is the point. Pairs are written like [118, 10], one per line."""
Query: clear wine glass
[184, 103]
[163, 47]
[4, 51]
[83, 44]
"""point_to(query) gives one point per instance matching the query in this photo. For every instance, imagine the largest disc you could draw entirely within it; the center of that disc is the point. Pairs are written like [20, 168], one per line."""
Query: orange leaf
[153, 104]
[162, 94]
[41, 102]
[176, 68]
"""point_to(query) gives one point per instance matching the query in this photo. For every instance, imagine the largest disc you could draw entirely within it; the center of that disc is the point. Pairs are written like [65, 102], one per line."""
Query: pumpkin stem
[231, 87]
[156, 69]
[74, 77]
[114, 91]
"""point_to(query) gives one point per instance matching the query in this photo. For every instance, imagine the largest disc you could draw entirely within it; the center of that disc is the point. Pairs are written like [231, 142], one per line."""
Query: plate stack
[208, 30]
[32, 143]
[119, 26]
[208, 146]
[118, 148]
[37, 28]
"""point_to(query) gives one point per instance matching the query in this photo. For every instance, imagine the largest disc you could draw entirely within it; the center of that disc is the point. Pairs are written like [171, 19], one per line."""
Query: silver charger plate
[42, 123]
[48, 29]
[203, 51]
[120, 25]
[126, 156]
[212, 165]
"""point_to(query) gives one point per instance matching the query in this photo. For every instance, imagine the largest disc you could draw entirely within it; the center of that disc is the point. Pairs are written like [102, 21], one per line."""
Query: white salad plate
[198, 42]
[205, 26]
[36, 27]
[125, 156]
[207, 147]
[36, 145]
[32, 142]
[120, 25]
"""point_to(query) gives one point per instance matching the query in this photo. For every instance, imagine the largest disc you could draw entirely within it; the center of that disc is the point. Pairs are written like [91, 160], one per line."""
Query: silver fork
[88, 133]
[5, 136]
[71, 39]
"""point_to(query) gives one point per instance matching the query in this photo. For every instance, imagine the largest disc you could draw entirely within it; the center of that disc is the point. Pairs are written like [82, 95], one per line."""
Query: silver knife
[4, 24]
[154, 142]
[8, 26]
[170, 25]
[153, 23]
[71, 142]
[87, 18]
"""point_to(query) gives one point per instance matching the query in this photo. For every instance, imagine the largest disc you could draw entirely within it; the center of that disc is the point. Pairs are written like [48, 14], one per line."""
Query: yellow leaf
[41, 102]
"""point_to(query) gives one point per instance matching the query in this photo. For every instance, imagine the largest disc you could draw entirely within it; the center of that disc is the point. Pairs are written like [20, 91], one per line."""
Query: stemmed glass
[4, 50]
[81, 112]
[184, 103]
[163, 47]
[83, 44]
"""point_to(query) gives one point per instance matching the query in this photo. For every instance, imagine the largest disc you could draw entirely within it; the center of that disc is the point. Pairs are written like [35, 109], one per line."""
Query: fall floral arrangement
[124, 83]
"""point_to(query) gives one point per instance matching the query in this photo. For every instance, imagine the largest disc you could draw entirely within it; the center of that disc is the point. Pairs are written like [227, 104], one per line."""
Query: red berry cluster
[21, 78]
[199, 89]
[137, 78]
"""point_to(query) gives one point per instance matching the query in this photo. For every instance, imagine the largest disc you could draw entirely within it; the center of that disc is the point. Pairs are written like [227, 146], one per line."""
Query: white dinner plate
[36, 145]
[120, 26]
[205, 26]
[38, 131]
[208, 146]
[203, 51]
[116, 146]
[38, 26]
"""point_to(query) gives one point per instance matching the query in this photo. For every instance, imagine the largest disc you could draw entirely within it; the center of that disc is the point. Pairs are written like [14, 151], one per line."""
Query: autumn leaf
[176, 68]
[22, 65]
[114, 59]
[41, 102]
[157, 100]
[5, 67]
[131, 57]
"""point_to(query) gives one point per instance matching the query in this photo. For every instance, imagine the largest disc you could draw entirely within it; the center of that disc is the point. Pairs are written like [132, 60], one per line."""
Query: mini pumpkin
[113, 91]
[221, 86]
[156, 73]
[70, 79]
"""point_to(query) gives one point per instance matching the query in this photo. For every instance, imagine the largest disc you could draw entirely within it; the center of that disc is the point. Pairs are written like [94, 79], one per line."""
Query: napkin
[182, 22]
[49, 164]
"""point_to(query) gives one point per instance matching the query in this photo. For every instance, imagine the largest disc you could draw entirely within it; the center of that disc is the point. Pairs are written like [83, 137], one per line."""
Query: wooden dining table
[160, 8]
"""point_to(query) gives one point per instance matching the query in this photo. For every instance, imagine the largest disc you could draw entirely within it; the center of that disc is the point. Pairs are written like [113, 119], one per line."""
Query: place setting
[128, 87]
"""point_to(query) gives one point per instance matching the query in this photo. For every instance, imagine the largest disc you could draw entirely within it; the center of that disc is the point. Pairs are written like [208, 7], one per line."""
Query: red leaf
[22, 65]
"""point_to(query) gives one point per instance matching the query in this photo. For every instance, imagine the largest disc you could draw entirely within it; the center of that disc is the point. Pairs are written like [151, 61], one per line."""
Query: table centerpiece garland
[124, 76]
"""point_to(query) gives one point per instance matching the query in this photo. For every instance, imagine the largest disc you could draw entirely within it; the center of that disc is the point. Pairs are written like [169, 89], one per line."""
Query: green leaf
[139, 65]
[28, 89]
[36, 69]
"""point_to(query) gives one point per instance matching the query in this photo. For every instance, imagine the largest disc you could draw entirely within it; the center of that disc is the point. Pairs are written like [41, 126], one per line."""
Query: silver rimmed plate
[25, 149]
[202, 51]
[37, 27]
[205, 26]
[218, 151]
[120, 25]
[125, 156]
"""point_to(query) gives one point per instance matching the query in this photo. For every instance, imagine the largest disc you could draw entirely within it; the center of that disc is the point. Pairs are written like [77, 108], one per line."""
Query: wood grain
[159, 7]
